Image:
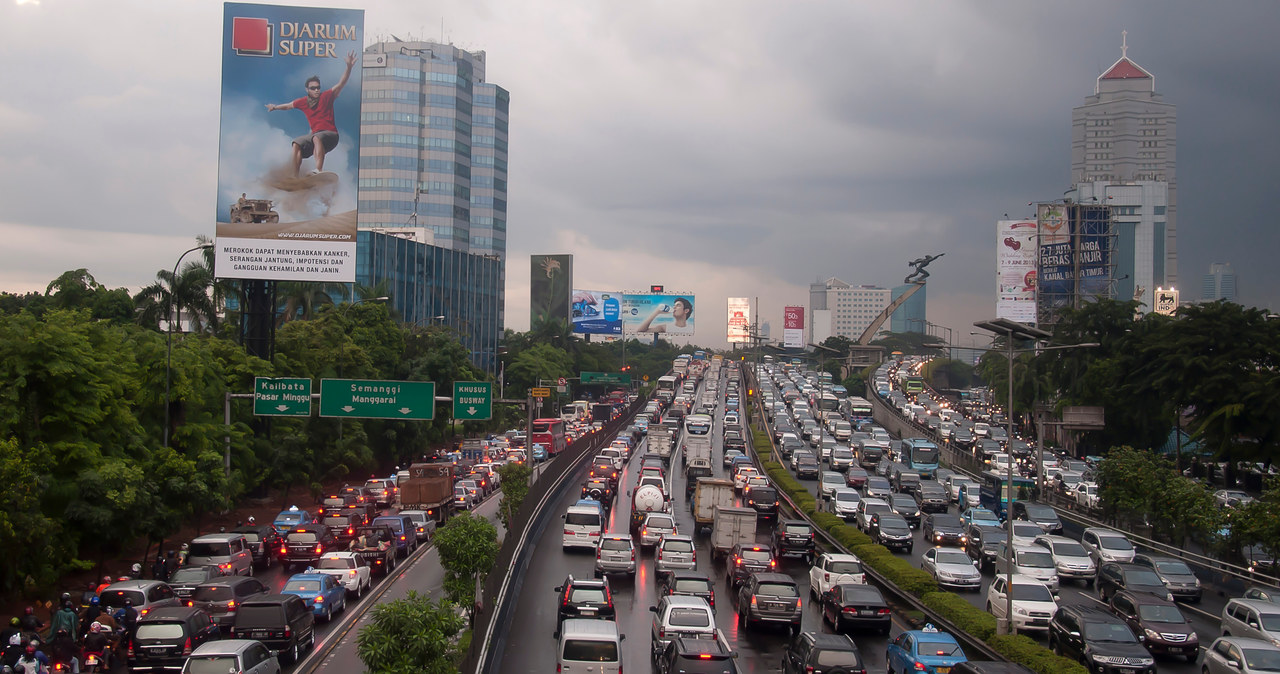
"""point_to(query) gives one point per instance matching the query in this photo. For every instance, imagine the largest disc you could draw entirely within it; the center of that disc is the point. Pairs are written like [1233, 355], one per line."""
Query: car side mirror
[1234, 664]
[1253, 624]
[559, 589]
[1074, 634]
[622, 637]
[653, 609]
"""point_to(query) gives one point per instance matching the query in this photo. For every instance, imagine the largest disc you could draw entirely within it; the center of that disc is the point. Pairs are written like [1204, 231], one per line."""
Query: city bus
[921, 456]
[993, 493]
[550, 434]
[826, 405]
[668, 382]
[699, 355]
[858, 409]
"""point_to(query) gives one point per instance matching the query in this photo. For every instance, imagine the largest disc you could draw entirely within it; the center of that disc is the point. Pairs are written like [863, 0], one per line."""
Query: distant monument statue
[919, 275]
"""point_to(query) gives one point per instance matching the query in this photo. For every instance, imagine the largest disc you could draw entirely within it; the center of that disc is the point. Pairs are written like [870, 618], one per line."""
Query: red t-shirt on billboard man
[321, 116]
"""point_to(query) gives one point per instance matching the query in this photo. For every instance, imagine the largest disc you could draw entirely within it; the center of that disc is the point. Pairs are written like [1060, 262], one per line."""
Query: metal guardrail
[971, 466]
[971, 643]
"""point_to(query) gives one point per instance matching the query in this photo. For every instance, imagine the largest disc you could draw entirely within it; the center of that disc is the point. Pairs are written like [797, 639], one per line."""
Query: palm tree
[300, 299]
[187, 293]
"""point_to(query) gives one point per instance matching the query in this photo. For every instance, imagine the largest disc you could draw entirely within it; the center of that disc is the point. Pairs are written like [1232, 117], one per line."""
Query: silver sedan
[951, 568]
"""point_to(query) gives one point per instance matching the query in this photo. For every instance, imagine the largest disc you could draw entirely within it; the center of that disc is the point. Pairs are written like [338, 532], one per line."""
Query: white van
[583, 525]
[589, 646]
[229, 552]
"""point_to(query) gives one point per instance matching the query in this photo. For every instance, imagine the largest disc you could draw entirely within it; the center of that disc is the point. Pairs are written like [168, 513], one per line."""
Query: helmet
[128, 602]
[29, 610]
[93, 601]
[106, 579]
[62, 632]
[136, 569]
[66, 596]
[96, 627]
[15, 622]
[185, 547]
[252, 520]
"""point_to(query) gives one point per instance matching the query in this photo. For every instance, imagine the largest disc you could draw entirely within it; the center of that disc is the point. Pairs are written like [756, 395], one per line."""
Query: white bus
[667, 383]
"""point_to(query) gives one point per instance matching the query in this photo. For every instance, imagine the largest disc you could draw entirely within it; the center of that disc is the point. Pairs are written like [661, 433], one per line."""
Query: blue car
[288, 519]
[979, 517]
[927, 650]
[321, 591]
[539, 452]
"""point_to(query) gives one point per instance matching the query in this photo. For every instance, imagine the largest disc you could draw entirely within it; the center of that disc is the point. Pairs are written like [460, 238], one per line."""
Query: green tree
[539, 362]
[30, 540]
[514, 484]
[182, 298]
[468, 546]
[413, 635]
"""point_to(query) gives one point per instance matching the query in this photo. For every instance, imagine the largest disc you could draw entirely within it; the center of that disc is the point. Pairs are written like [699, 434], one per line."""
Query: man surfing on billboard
[317, 105]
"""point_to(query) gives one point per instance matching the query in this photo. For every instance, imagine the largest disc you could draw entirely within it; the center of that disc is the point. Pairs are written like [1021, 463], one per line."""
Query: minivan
[583, 525]
[145, 595]
[229, 552]
[1251, 618]
[283, 622]
[406, 533]
[589, 646]
[166, 636]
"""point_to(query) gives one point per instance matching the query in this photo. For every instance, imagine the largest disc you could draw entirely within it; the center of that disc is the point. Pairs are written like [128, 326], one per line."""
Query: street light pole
[168, 359]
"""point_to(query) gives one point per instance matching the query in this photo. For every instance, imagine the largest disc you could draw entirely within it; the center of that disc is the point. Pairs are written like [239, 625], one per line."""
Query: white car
[1087, 495]
[1026, 533]
[834, 569]
[656, 525]
[1033, 603]
[1107, 545]
[951, 568]
[829, 483]
[868, 507]
[740, 477]
[954, 483]
[754, 481]
[349, 569]
[844, 503]
[1070, 559]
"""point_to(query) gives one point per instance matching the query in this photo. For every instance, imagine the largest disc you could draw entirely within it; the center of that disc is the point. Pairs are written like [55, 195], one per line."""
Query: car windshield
[337, 563]
[659, 521]
[1271, 622]
[1142, 577]
[946, 521]
[842, 453]
[1031, 592]
[1260, 660]
[212, 664]
[873, 508]
[689, 617]
[756, 555]
[777, 590]
[337, 522]
[953, 557]
[1069, 549]
[677, 546]
[1109, 631]
[188, 575]
[1115, 543]
[984, 515]
[939, 648]
[893, 523]
[584, 650]
[219, 549]
[692, 585]
[587, 595]
[213, 593]
[1160, 613]
[847, 497]
[846, 567]
[116, 598]
[835, 658]
[161, 631]
[1040, 512]
[615, 544]
[301, 537]
[1026, 530]
[878, 482]
[1174, 567]
[302, 586]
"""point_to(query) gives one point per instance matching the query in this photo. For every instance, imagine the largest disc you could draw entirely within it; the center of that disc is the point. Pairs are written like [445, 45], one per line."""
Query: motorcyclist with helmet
[106, 580]
[127, 618]
[98, 641]
[91, 614]
[66, 620]
[32, 660]
[12, 650]
[183, 553]
[15, 627]
[29, 622]
[63, 650]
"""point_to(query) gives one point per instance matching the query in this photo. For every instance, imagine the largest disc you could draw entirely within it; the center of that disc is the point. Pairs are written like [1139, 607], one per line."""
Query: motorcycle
[94, 662]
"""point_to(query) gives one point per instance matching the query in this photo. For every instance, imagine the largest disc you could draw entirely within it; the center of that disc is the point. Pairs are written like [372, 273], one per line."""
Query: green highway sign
[375, 399]
[605, 378]
[284, 397]
[472, 400]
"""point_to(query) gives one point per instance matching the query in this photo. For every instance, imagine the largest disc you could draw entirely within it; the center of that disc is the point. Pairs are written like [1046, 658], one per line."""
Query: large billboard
[1074, 256]
[739, 320]
[1016, 270]
[550, 283]
[289, 148]
[793, 327]
[667, 314]
[597, 312]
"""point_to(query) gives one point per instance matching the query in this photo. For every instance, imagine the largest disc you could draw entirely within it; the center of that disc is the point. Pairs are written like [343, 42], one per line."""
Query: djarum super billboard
[289, 146]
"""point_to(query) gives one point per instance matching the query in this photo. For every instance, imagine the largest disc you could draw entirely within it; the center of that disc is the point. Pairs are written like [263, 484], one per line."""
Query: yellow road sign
[541, 392]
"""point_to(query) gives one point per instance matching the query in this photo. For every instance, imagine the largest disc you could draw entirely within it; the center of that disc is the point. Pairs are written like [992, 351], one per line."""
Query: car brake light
[753, 601]
[884, 611]
[737, 560]
[351, 531]
[130, 650]
[920, 667]
[773, 563]
[319, 599]
[283, 549]
[186, 647]
[319, 548]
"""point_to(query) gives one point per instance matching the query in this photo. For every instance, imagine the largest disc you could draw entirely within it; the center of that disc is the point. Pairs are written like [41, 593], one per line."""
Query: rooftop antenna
[1124, 44]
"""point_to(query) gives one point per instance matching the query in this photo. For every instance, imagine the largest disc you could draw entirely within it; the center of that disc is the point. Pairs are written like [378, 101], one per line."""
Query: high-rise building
[1138, 212]
[1126, 133]
[433, 150]
[431, 285]
[1219, 283]
[841, 309]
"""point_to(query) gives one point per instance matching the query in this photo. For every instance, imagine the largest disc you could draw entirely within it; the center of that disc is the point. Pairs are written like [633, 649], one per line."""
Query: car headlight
[1152, 634]
[1197, 582]
[1019, 610]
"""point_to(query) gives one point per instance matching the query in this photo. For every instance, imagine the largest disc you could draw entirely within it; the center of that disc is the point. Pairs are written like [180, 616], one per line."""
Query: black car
[603, 468]
[890, 530]
[305, 543]
[689, 655]
[1041, 514]
[943, 529]
[263, 541]
[734, 440]
[598, 489]
[1167, 630]
[186, 578]
[983, 544]
[906, 506]
[931, 497]
[745, 559]
[1177, 576]
[165, 637]
[688, 584]
[1098, 640]
[817, 652]
[764, 500]
[584, 598]
[856, 605]
[1116, 576]
[282, 622]
[794, 538]
[807, 468]
[343, 525]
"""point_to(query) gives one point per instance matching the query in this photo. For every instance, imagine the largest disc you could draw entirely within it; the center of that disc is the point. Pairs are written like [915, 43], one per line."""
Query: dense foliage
[413, 635]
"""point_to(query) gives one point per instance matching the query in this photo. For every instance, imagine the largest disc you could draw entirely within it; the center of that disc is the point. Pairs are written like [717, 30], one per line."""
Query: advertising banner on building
[1166, 301]
[668, 314]
[289, 148]
[793, 327]
[597, 312]
[1093, 248]
[550, 284]
[739, 320]
[1074, 256]
[1016, 270]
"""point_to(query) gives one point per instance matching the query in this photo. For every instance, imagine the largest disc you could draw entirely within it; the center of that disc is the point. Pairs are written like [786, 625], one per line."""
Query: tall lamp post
[342, 346]
[168, 358]
[1012, 330]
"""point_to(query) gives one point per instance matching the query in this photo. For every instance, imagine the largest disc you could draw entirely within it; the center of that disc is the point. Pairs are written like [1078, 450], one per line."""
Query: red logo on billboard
[793, 318]
[251, 36]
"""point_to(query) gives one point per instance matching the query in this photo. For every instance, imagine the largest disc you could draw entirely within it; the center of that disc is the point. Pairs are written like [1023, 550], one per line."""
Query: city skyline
[728, 149]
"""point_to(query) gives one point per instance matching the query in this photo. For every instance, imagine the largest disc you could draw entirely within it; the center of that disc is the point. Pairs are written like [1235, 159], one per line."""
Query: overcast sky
[726, 148]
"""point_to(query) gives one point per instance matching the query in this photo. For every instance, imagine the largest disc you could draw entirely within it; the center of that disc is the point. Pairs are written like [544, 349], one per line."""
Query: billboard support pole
[172, 308]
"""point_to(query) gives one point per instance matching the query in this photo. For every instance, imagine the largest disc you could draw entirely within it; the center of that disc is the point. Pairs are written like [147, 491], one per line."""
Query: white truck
[645, 499]
[732, 526]
[696, 447]
[660, 439]
[708, 494]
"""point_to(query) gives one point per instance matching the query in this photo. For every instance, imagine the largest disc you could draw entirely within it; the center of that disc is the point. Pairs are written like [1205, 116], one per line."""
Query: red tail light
[130, 649]
[319, 548]
[186, 647]
[284, 549]
[351, 531]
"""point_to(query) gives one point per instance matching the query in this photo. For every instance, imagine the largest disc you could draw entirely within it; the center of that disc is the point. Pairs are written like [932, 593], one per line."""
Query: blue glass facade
[910, 317]
[425, 281]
